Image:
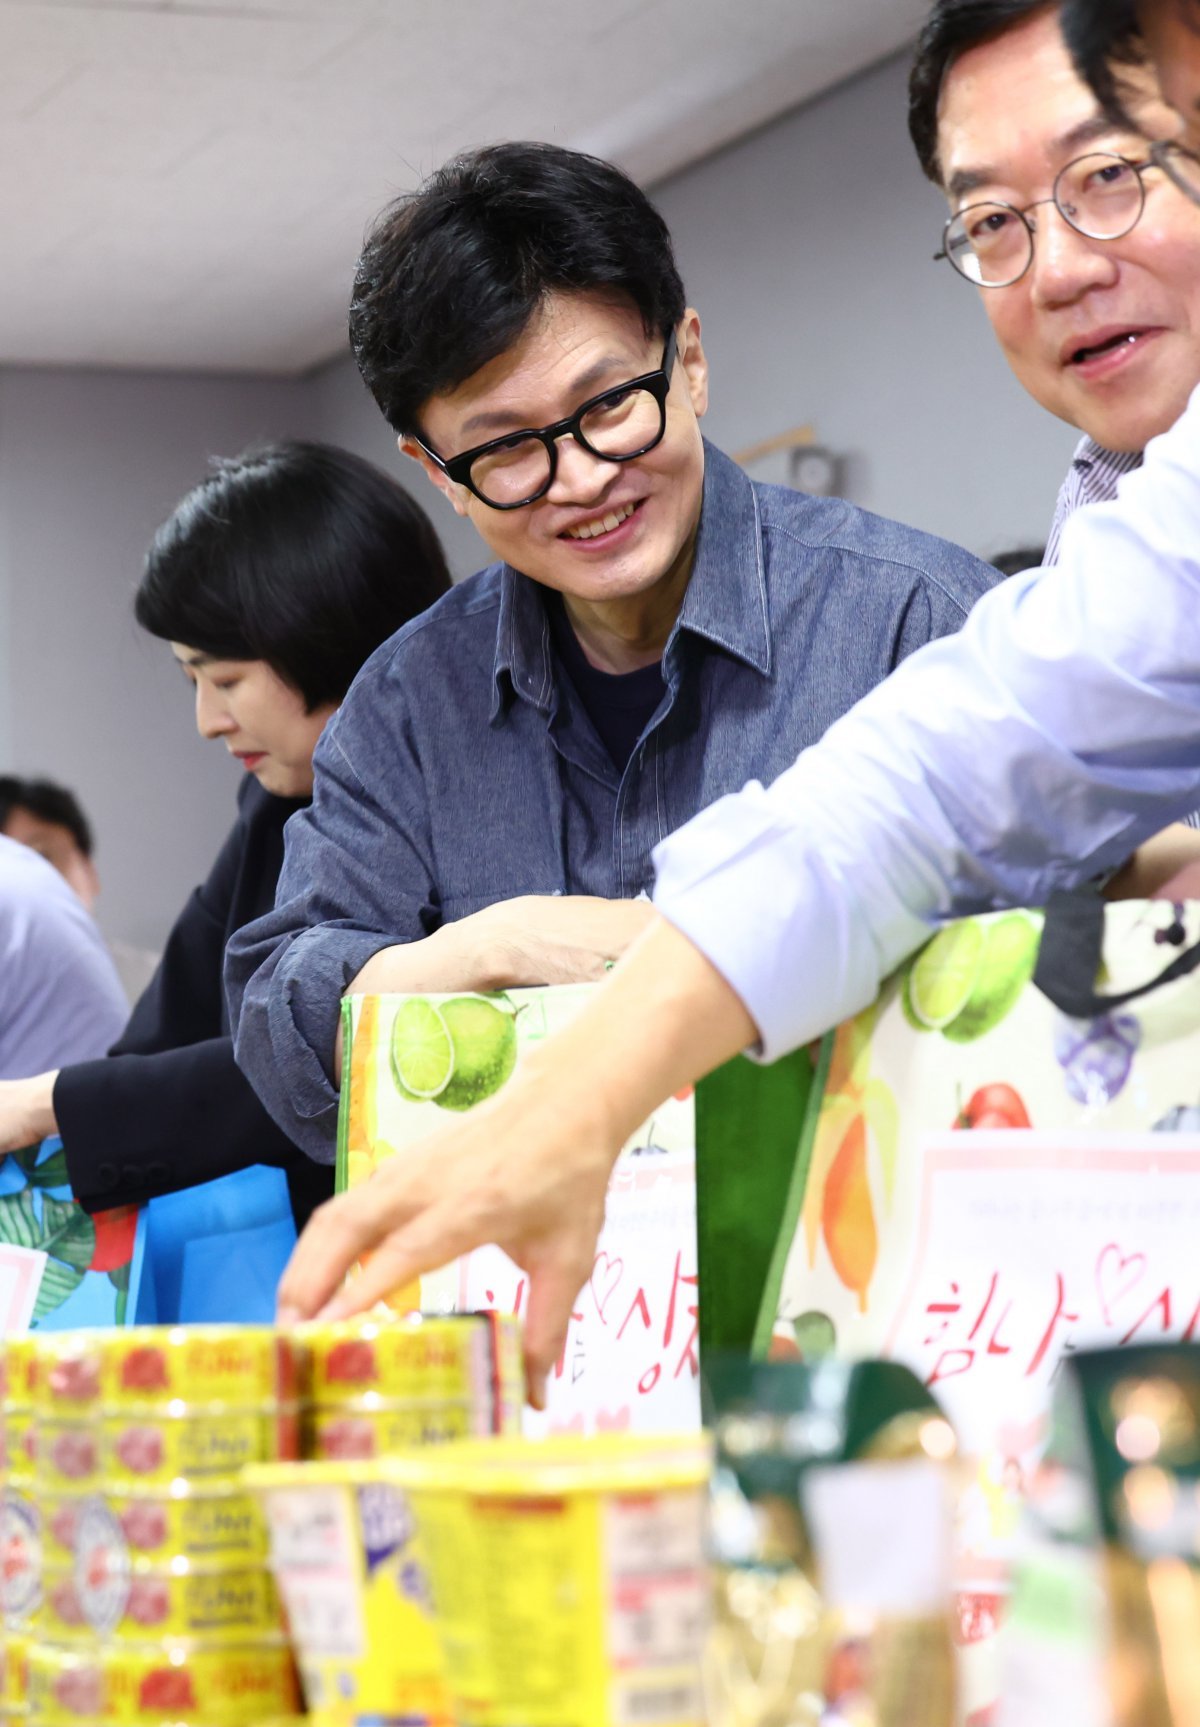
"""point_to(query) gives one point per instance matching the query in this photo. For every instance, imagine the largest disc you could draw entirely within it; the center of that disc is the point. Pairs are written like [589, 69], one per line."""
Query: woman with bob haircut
[273, 581]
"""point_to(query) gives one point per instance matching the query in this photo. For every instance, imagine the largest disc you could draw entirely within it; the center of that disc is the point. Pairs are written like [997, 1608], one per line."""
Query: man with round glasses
[1085, 253]
[655, 628]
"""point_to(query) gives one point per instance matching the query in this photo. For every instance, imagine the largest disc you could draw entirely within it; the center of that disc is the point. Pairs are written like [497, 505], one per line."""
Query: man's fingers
[432, 1239]
[553, 1287]
[338, 1233]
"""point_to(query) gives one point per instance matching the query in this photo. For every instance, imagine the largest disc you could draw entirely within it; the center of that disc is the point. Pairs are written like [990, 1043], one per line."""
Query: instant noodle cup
[568, 1577]
[470, 1359]
[201, 1523]
[350, 1573]
[223, 1684]
[239, 1366]
[103, 1597]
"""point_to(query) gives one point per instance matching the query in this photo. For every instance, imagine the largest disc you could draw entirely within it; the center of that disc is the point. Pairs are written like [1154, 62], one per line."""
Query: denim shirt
[461, 769]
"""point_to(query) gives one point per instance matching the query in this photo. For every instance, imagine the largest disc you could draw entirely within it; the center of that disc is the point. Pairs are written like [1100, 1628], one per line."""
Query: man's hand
[26, 1111]
[529, 1169]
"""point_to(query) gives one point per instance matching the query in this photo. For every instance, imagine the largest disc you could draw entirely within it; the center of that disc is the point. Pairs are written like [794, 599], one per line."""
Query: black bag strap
[1069, 958]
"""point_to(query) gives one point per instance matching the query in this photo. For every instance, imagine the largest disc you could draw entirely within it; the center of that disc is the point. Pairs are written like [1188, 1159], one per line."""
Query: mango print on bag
[853, 1159]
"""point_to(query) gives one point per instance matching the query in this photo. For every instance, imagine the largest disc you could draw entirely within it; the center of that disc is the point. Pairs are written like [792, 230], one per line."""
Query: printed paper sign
[21, 1271]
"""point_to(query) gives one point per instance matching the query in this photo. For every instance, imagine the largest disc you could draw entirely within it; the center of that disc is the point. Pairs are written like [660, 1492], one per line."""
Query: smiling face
[605, 531]
[1103, 333]
[261, 720]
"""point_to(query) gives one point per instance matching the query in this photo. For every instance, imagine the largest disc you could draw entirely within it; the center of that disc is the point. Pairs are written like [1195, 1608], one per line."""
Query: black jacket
[167, 1107]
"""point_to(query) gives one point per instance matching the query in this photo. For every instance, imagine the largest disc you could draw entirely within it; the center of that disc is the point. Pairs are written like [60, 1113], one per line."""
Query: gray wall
[806, 249]
[90, 463]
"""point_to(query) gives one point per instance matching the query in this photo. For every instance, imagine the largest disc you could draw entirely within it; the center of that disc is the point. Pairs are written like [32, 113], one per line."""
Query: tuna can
[199, 1524]
[240, 1367]
[164, 1683]
[469, 1358]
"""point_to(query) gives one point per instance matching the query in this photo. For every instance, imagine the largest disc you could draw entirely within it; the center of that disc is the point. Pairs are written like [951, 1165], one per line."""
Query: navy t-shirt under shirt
[620, 705]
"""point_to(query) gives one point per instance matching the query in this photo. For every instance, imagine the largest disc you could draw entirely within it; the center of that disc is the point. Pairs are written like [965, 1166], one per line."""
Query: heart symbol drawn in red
[604, 1283]
[1117, 1274]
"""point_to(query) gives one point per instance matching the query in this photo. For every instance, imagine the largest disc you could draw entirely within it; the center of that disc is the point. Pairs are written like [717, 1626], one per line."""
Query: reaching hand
[527, 1170]
[26, 1111]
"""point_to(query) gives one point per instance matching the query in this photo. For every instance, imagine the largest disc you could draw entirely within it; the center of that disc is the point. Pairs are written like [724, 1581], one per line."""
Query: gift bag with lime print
[681, 1263]
[1000, 1165]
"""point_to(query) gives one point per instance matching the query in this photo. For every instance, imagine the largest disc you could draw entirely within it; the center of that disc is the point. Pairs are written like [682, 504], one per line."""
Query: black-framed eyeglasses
[1100, 195]
[616, 426]
[1181, 166]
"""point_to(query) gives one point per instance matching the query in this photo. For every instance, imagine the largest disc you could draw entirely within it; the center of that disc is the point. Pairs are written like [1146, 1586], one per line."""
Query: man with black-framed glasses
[655, 628]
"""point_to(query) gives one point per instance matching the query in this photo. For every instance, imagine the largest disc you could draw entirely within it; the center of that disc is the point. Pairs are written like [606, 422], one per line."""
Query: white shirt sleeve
[1039, 746]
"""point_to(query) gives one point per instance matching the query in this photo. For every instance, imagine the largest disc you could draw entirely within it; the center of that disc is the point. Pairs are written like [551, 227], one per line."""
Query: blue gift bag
[214, 1254]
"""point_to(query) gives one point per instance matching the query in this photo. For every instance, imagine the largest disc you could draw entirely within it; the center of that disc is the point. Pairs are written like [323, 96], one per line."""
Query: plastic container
[351, 1577]
[568, 1577]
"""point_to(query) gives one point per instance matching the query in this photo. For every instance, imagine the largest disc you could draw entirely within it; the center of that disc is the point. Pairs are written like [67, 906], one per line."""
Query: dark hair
[49, 803]
[298, 554]
[951, 28]
[1018, 560]
[1103, 35]
[452, 273]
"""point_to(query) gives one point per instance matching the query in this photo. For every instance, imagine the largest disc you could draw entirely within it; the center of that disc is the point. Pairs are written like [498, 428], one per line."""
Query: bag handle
[1071, 951]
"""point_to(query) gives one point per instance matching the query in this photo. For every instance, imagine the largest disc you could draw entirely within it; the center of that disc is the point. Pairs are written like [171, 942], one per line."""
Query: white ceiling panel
[185, 183]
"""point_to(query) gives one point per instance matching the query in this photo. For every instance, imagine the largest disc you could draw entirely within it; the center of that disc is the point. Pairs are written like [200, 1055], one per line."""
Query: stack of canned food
[21, 1570]
[375, 1387]
[156, 1600]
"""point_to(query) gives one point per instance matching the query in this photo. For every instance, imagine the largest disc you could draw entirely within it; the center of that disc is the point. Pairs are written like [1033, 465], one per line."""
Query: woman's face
[261, 720]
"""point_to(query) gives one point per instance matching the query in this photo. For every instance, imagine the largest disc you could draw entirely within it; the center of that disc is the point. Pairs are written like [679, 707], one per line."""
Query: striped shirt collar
[1091, 479]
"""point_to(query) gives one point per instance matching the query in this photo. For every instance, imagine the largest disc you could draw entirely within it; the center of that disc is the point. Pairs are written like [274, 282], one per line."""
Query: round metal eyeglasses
[1180, 166]
[509, 472]
[1100, 196]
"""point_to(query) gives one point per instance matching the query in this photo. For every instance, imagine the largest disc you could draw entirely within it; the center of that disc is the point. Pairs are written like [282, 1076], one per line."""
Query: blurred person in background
[60, 997]
[655, 628]
[1038, 747]
[50, 819]
[273, 581]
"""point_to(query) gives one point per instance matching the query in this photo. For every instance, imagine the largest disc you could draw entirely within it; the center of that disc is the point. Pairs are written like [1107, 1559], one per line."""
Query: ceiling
[185, 183]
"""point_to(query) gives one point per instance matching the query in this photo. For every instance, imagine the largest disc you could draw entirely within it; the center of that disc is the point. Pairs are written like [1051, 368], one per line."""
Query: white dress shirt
[1044, 743]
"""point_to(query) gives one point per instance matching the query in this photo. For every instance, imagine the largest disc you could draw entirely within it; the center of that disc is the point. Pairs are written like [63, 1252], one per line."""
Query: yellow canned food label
[136, 1606]
[16, 1671]
[20, 1368]
[358, 1432]
[197, 1365]
[21, 1569]
[453, 1360]
[218, 1683]
[203, 1526]
[20, 1447]
[135, 1450]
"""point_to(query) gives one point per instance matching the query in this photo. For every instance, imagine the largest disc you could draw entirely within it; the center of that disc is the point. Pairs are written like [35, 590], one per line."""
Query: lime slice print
[422, 1050]
[943, 975]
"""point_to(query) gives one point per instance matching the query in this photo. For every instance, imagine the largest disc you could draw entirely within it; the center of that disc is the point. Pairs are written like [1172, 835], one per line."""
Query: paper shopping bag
[693, 1204]
[1000, 1165]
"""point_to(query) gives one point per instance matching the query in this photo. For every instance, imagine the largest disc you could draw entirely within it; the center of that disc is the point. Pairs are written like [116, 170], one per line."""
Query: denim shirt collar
[725, 602]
